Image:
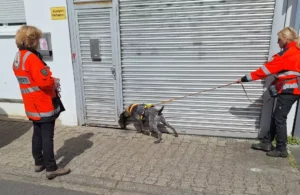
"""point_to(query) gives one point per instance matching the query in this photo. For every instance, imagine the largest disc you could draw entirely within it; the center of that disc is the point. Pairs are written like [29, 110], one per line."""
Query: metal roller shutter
[98, 82]
[12, 11]
[171, 48]
[90, 1]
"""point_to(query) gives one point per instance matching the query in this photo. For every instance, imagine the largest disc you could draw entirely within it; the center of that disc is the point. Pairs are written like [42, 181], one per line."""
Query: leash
[206, 90]
[247, 95]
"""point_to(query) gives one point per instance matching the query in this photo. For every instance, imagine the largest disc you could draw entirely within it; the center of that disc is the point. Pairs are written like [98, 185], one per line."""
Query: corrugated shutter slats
[174, 47]
[97, 78]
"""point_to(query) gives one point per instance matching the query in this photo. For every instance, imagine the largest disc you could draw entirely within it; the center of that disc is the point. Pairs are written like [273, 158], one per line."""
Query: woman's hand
[57, 83]
[239, 80]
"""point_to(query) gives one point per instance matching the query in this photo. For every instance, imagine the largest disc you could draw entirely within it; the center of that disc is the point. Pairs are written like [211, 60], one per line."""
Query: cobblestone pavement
[203, 164]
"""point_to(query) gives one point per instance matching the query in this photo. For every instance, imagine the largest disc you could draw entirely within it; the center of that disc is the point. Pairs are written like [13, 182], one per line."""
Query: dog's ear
[122, 116]
[160, 111]
[121, 120]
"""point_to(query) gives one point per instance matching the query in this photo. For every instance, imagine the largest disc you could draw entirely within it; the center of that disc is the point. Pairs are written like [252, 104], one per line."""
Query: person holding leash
[285, 65]
[40, 96]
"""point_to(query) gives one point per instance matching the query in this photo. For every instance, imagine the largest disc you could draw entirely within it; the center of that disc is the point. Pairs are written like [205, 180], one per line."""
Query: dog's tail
[160, 111]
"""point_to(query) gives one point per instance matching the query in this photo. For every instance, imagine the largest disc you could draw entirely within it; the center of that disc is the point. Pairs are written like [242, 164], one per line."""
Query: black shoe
[277, 153]
[39, 168]
[263, 146]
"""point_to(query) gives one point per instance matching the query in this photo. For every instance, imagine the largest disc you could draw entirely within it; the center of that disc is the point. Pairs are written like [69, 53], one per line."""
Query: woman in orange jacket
[285, 65]
[41, 102]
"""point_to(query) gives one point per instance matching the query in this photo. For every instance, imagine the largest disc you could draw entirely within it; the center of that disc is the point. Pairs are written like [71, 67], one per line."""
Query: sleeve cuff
[244, 79]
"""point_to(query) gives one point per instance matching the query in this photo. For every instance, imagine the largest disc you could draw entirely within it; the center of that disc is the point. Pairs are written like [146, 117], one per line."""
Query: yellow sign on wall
[58, 13]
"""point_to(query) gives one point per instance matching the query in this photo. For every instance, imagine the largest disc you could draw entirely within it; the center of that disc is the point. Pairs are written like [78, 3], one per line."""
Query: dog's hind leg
[159, 134]
[163, 120]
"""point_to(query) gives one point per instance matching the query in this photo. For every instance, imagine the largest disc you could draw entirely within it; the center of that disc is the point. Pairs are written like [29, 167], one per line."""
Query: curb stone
[106, 186]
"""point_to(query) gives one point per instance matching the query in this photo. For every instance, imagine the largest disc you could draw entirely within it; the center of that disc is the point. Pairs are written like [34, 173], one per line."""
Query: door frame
[76, 59]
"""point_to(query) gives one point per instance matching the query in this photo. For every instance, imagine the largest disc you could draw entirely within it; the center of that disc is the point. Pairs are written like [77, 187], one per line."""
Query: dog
[143, 112]
[137, 112]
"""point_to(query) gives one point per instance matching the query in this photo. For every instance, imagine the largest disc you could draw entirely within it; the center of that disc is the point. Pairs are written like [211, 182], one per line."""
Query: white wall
[290, 119]
[9, 88]
[290, 21]
[38, 14]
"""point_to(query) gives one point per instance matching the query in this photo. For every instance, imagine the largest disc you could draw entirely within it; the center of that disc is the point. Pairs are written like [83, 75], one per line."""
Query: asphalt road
[19, 188]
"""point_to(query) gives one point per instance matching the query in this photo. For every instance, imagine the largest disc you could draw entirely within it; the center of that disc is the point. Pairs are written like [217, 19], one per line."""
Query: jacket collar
[290, 44]
[35, 52]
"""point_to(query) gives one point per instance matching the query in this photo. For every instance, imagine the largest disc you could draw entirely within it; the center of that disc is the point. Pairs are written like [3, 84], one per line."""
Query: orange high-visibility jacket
[37, 87]
[285, 65]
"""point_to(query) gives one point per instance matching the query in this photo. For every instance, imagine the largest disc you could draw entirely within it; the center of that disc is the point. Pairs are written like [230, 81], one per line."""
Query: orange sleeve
[276, 65]
[40, 73]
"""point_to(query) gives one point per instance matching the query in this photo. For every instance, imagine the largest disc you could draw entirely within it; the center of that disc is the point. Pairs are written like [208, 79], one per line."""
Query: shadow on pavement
[11, 129]
[73, 147]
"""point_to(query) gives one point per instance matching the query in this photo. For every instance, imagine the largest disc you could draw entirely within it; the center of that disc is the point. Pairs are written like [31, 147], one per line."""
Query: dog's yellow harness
[130, 108]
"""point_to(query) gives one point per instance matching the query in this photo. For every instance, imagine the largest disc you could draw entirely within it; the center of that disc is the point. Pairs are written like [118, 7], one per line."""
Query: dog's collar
[147, 106]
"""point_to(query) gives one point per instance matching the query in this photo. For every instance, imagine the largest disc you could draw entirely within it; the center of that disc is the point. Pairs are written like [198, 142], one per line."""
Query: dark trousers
[278, 124]
[42, 145]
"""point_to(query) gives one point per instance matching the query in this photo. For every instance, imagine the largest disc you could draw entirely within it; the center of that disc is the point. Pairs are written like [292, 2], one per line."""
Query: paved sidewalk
[126, 160]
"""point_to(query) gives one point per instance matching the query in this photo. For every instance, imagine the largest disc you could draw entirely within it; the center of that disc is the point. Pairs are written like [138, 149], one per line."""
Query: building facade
[109, 54]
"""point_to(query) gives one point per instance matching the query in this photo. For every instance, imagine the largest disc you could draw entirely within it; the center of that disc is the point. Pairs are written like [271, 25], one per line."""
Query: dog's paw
[157, 141]
[147, 133]
[176, 135]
